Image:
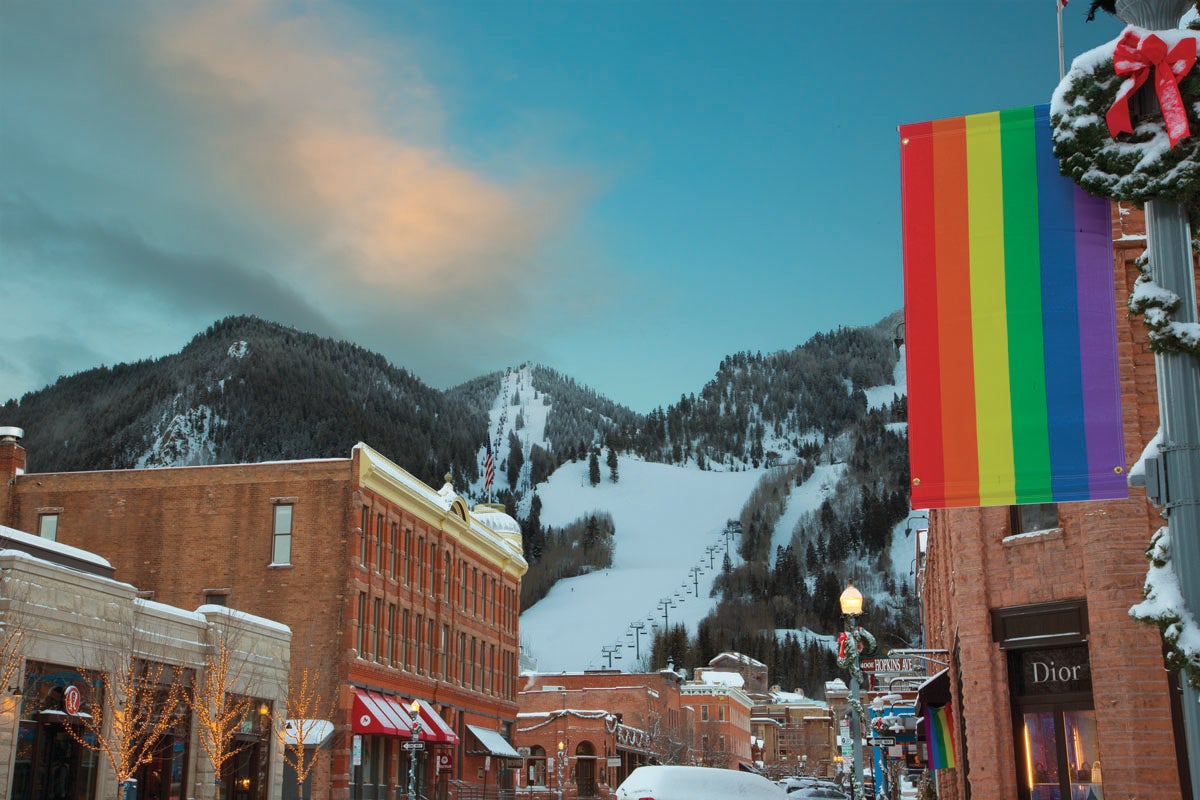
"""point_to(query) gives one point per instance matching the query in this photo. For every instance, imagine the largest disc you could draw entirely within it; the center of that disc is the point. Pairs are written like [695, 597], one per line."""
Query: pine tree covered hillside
[246, 390]
[761, 409]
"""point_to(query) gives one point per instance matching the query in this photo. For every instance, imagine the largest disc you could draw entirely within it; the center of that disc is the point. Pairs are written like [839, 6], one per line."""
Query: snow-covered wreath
[1164, 606]
[1107, 150]
[1100, 147]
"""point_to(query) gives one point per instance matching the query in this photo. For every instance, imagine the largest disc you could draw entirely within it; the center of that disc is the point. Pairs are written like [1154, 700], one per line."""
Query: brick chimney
[12, 465]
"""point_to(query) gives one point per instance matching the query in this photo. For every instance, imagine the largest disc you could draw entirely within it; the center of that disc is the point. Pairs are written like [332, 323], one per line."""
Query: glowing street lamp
[854, 643]
[414, 747]
[559, 765]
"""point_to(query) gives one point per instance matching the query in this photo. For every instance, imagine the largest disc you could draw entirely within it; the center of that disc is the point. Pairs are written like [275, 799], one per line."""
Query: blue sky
[626, 192]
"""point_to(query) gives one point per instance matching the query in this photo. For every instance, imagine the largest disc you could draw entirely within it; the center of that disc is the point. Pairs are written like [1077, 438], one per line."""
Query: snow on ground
[665, 518]
[804, 499]
[880, 396]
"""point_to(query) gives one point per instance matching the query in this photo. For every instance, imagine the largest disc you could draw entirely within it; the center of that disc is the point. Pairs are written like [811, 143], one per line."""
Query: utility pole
[1169, 245]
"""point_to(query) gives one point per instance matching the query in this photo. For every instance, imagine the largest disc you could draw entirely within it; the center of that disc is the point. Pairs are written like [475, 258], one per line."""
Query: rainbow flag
[1010, 318]
[939, 737]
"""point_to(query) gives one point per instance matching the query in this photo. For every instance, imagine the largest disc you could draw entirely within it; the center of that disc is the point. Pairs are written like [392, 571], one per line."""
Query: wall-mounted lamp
[898, 336]
[264, 709]
[15, 691]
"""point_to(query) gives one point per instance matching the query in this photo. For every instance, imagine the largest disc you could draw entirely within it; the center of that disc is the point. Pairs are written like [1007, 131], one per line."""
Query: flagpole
[1062, 64]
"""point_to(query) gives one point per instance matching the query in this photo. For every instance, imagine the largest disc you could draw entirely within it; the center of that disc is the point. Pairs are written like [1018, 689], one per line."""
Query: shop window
[48, 526]
[537, 766]
[1033, 517]
[1060, 756]
[281, 538]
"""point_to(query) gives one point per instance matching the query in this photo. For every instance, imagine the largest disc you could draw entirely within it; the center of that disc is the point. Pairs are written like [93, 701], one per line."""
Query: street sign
[881, 741]
[417, 745]
[888, 665]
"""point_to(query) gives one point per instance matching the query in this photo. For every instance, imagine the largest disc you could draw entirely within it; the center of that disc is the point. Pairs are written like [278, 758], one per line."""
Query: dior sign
[1061, 670]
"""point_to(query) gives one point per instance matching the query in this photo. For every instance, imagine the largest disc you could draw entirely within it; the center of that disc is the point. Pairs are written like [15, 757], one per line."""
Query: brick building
[608, 722]
[74, 623]
[753, 672]
[1015, 594]
[722, 720]
[798, 734]
[393, 591]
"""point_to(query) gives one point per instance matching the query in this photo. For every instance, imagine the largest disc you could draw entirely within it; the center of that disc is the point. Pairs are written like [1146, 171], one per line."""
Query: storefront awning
[375, 714]
[493, 743]
[313, 732]
[433, 727]
[935, 691]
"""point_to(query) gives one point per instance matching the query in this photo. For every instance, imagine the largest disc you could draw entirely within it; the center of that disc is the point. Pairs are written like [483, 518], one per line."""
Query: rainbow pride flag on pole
[1010, 318]
[939, 737]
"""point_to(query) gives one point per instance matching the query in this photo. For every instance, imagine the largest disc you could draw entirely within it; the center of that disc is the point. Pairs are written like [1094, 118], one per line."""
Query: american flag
[489, 470]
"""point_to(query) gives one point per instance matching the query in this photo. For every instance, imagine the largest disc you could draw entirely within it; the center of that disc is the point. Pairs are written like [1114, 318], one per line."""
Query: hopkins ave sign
[889, 665]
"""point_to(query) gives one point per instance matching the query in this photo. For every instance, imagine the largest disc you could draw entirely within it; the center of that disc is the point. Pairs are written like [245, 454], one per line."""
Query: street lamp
[414, 711]
[559, 765]
[854, 643]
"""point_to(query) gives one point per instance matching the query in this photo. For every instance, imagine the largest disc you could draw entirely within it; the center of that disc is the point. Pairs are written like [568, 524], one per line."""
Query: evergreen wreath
[1164, 607]
[1136, 166]
[1156, 305]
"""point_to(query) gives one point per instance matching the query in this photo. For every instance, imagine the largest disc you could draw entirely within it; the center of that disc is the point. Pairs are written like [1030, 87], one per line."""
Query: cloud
[167, 164]
[336, 137]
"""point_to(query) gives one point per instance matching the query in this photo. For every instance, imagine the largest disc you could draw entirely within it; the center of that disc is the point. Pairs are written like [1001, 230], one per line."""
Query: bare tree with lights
[130, 706]
[300, 726]
[12, 634]
[218, 708]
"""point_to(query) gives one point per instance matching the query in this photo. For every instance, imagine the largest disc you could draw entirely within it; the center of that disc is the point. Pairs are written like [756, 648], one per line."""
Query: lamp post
[854, 643]
[414, 711]
[559, 766]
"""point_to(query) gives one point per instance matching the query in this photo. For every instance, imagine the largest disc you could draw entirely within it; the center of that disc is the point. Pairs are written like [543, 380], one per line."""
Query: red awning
[374, 713]
[434, 728]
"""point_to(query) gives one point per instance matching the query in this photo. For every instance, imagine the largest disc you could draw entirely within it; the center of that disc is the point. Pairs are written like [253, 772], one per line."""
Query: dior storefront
[1053, 713]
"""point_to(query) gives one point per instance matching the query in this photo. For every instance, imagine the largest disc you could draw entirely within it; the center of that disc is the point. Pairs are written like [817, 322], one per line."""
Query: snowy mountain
[670, 541]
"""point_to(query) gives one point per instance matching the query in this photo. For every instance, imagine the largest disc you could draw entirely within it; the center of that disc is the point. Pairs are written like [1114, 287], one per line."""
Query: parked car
[696, 783]
[818, 793]
[813, 788]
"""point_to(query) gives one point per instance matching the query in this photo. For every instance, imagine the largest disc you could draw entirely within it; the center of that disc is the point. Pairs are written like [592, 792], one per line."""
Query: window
[474, 663]
[462, 659]
[404, 636]
[379, 543]
[281, 540]
[362, 536]
[391, 634]
[420, 643]
[1034, 517]
[378, 628]
[48, 527]
[361, 622]
[704, 713]
[395, 548]
[445, 647]
[475, 591]
[720, 713]
[462, 586]
[433, 650]
[446, 578]
[216, 598]
[433, 561]
[408, 556]
[420, 566]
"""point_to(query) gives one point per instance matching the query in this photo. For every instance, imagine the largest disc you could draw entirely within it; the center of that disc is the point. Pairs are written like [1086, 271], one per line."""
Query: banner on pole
[1010, 318]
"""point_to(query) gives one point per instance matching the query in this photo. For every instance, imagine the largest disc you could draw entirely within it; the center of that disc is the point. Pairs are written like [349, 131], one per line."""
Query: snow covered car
[696, 783]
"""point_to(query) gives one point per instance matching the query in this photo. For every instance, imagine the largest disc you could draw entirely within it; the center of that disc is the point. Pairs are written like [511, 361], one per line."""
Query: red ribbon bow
[1136, 57]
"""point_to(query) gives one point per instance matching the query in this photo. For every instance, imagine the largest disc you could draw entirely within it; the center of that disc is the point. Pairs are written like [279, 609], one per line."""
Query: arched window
[537, 766]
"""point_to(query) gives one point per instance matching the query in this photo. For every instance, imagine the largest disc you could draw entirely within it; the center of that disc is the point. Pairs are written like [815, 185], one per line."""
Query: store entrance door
[62, 768]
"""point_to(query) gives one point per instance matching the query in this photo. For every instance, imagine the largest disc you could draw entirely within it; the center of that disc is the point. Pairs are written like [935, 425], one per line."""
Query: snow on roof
[233, 613]
[744, 659]
[716, 677]
[316, 731]
[48, 544]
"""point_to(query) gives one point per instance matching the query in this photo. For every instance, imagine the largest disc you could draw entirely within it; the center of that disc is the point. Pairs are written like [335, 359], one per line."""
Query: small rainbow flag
[939, 737]
[1010, 318]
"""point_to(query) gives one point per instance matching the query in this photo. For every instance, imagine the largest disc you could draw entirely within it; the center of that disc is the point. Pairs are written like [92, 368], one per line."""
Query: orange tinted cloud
[323, 130]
